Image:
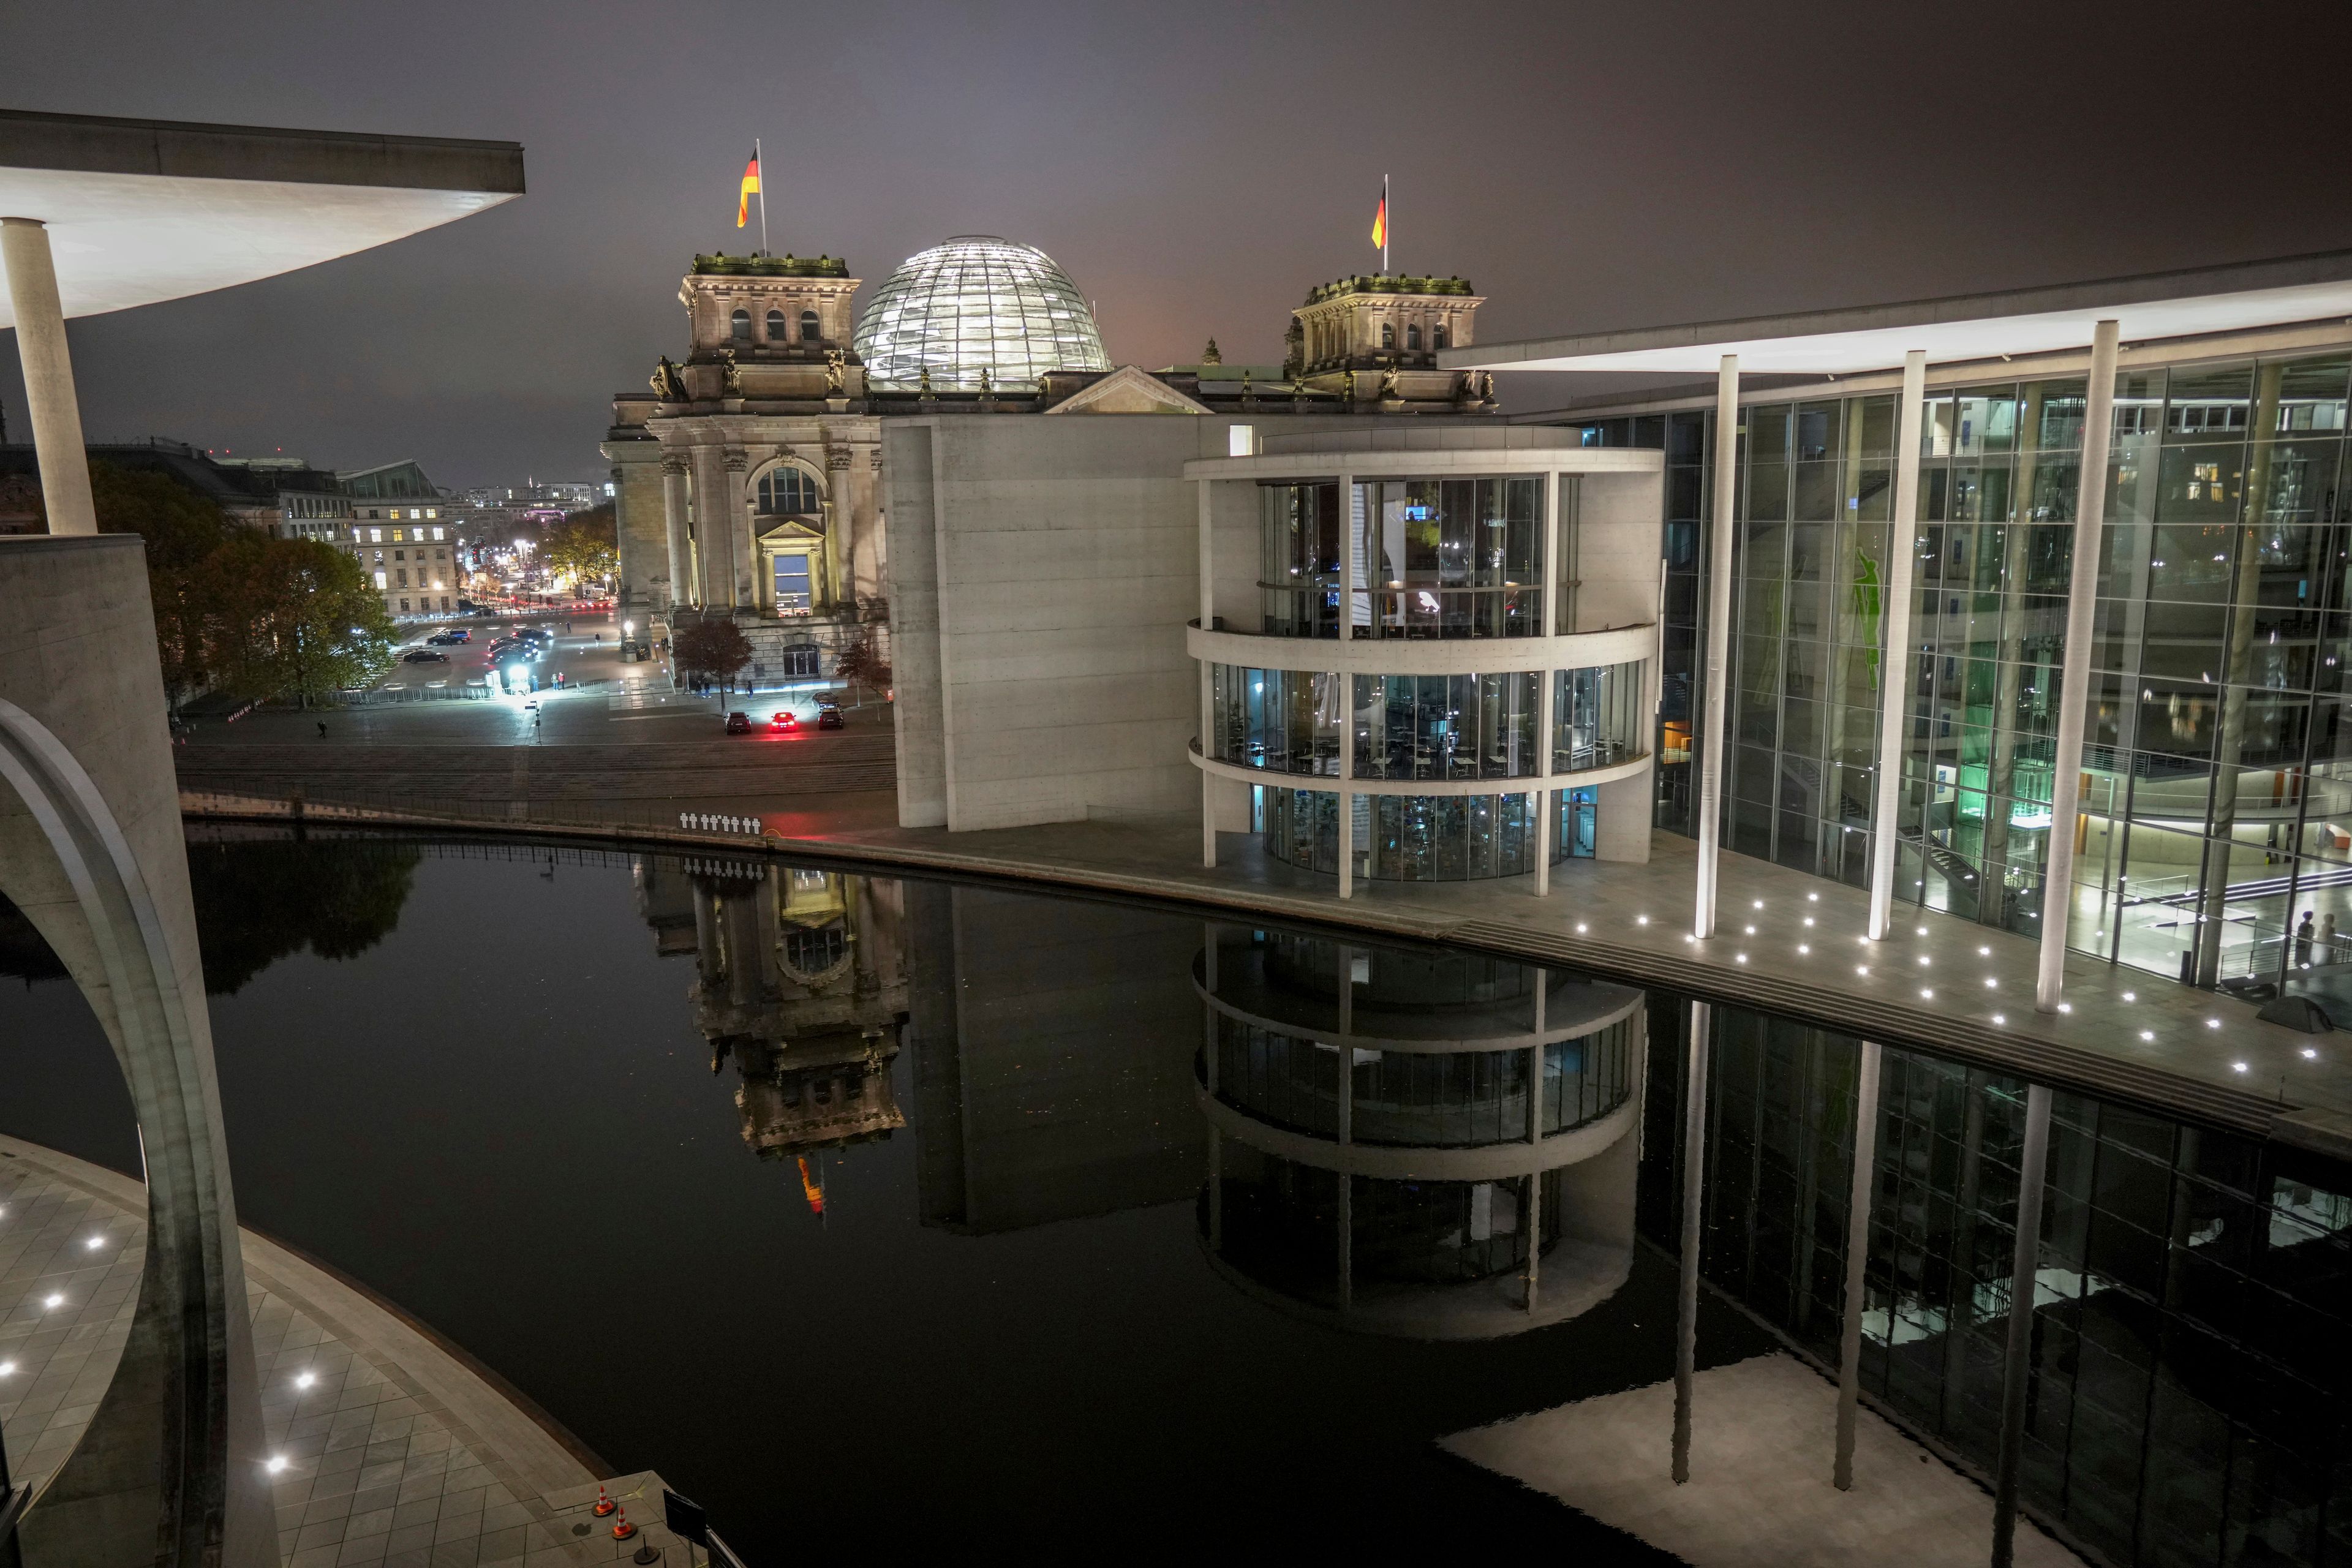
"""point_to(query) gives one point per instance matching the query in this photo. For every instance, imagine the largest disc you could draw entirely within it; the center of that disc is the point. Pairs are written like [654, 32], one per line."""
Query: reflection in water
[799, 979]
[1432, 1145]
[261, 896]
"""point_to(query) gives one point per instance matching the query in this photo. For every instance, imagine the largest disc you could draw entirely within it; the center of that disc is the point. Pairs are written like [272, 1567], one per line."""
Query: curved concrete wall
[171, 1467]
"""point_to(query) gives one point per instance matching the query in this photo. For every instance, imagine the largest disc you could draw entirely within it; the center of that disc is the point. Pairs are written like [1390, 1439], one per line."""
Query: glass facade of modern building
[2217, 803]
[1427, 838]
[2187, 1385]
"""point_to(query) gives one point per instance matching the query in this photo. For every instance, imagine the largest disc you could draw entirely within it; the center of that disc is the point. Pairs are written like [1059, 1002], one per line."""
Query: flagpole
[756, 158]
[1388, 221]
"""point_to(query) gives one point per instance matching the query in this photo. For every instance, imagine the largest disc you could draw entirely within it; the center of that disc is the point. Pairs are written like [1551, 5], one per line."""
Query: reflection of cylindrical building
[1467, 1173]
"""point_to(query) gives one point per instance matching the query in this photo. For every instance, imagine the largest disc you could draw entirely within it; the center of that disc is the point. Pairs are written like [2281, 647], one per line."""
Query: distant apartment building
[398, 531]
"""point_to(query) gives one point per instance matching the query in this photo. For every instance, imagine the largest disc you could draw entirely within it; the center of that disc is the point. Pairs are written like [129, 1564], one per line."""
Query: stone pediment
[1128, 390]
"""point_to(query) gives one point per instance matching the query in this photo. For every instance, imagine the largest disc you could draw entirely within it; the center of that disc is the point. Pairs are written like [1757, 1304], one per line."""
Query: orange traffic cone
[621, 1528]
[604, 1505]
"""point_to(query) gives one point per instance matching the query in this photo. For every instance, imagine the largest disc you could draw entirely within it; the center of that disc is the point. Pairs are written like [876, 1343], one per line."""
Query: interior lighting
[1923, 931]
[1579, 928]
[1809, 919]
[1990, 984]
[1923, 960]
[1640, 919]
[1751, 930]
[1759, 903]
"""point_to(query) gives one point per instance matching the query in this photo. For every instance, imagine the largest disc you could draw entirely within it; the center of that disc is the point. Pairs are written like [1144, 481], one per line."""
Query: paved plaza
[396, 1452]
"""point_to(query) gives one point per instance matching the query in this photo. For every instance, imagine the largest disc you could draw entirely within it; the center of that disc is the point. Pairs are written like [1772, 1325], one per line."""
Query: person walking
[322, 729]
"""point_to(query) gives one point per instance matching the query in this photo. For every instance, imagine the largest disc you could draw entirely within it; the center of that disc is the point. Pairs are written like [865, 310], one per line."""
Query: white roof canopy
[140, 211]
[1969, 327]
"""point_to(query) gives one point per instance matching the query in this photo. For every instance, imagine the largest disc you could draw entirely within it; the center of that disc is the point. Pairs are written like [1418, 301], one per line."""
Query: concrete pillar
[714, 574]
[683, 589]
[1718, 645]
[743, 541]
[48, 375]
[1694, 1185]
[1212, 744]
[2017, 1369]
[1352, 548]
[2075, 670]
[1895, 663]
[1547, 738]
[1857, 1255]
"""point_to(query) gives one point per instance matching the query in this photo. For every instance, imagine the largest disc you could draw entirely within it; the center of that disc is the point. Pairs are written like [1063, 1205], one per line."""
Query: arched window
[1387, 335]
[789, 493]
[808, 327]
[742, 325]
[1437, 336]
[1413, 336]
[776, 327]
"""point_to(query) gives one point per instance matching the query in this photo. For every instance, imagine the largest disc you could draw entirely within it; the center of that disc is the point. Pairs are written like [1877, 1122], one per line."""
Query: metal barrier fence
[274, 801]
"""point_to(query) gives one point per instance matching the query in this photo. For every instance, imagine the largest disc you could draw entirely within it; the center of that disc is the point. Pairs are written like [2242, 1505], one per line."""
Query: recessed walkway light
[2310, 1054]
[1923, 960]
[1759, 903]
[276, 1463]
[2148, 1034]
[1812, 898]
[1984, 953]
[306, 1380]
[7, 1367]
[1862, 969]
[53, 1301]
[2066, 1007]
[1751, 930]
[1740, 958]
[1579, 928]
[1803, 948]
[95, 1242]
[1999, 1018]
[1928, 994]
[1990, 984]
[2131, 995]
[1923, 931]
[2237, 1067]
[1640, 919]
[1809, 919]
[2212, 1022]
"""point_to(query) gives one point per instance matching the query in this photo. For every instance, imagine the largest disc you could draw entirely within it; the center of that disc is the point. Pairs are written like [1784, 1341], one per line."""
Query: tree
[184, 533]
[299, 619]
[585, 546]
[712, 650]
[860, 663]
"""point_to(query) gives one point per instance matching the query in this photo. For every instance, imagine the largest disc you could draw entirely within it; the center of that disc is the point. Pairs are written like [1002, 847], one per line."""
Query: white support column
[1857, 1254]
[1894, 663]
[1210, 743]
[1718, 644]
[48, 375]
[1350, 552]
[1545, 739]
[2075, 669]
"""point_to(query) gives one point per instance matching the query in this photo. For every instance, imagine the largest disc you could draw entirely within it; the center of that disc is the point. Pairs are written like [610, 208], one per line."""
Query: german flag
[1380, 222]
[751, 188]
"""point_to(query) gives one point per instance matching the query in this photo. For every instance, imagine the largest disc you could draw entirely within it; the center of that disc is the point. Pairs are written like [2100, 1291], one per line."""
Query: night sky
[1196, 167]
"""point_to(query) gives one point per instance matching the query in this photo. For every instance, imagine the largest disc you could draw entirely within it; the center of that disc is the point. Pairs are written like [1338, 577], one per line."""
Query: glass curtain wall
[1448, 726]
[1409, 838]
[1284, 721]
[1451, 558]
[2215, 840]
[2187, 1390]
[1597, 718]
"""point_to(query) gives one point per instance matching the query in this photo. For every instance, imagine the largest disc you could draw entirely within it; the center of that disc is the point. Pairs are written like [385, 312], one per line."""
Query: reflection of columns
[2075, 678]
[682, 587]
[1857, 1255]
[1212, 745]
[48, 375]
[1894, 662]
[1209, 1016]
[1347, 1118]
[1547, 738]
[1694, 1179]
[1718, 644]
[1532, 1221]
[2016, 1373]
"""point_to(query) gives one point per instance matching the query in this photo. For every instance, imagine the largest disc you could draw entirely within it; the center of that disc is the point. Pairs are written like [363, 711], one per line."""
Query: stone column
[675, 518]
[1548, 736]
[865, 542]
[713, 531]
[1715, 700]
[743, 553]
[1894, 663]
[48, 375]
[2075, 670]
[840, 558]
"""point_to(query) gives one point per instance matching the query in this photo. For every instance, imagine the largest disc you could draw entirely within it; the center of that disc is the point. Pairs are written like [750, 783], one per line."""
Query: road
[612, 731]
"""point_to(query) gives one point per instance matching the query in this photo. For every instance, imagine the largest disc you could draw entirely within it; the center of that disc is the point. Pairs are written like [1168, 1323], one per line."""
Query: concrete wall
[1617, 552]
[1065, 560]
[169, 1466]
[914, 589]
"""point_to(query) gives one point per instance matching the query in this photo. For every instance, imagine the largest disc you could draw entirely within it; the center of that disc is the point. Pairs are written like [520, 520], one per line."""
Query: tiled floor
[379, 1470]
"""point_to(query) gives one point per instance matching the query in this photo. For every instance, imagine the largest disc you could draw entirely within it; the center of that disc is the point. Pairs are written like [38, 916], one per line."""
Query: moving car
[539, 635]
[446, 639]
[786, 721]
[739, 724]
[424, 656]
[828, 716]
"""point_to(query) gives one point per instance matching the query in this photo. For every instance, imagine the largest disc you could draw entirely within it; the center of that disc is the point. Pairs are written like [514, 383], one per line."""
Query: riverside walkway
[1788, 943]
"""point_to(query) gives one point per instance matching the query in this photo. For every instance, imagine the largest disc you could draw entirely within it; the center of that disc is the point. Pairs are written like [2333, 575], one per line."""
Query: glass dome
[976, 303]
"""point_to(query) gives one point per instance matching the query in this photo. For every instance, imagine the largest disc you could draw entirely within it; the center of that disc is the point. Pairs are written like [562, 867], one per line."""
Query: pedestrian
[2303, 943]
[2326, 942]
[322, 729]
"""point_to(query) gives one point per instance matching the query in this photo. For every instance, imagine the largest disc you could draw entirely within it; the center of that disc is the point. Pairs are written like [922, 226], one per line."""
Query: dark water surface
[580, 1114]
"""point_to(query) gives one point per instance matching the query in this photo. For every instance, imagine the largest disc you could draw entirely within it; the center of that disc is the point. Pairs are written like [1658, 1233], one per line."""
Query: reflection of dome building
[800, 978]
[977, 305]
[1480, 1137]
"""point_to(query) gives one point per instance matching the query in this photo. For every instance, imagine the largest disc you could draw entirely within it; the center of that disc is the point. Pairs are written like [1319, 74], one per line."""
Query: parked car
[786, 721]
[539, 635]
[828, 716]
[739, 724]
[424, 656]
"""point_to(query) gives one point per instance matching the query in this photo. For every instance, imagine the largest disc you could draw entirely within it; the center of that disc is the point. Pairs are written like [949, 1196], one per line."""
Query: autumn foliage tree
[712, 649]
[585, 546]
